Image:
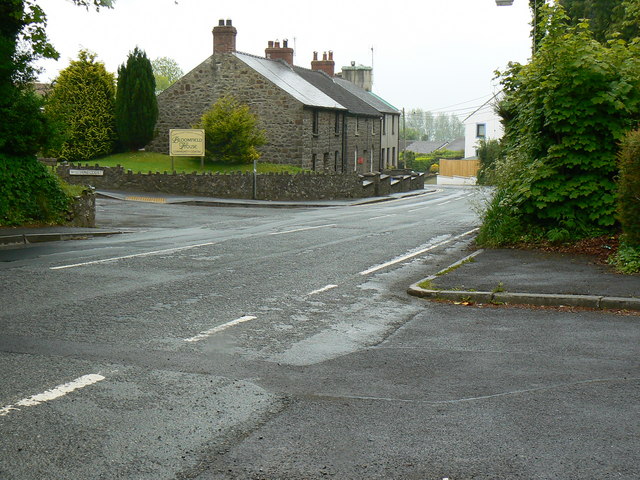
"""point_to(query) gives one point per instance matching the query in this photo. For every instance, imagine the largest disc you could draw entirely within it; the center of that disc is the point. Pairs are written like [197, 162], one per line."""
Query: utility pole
[404, 139]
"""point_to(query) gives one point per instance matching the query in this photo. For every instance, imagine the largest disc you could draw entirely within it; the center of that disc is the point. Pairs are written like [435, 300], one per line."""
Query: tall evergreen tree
[81, 106]
[136, 104]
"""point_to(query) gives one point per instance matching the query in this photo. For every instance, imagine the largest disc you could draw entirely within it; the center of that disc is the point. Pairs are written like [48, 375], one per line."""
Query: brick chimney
[275, 52]
[326, 65]
[224, 37]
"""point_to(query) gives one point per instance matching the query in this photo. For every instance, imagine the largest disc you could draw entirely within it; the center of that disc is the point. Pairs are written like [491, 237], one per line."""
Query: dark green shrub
[489, 151]
[23, 128]
[629, 188]
[29, 193]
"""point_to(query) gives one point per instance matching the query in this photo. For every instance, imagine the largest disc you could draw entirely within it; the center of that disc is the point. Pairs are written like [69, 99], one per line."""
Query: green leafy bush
[29, 193]
[82, 106]
[424, 162]
[489, 152]
[564, 114]
[232, 134]
[629, 188]
[627, 259]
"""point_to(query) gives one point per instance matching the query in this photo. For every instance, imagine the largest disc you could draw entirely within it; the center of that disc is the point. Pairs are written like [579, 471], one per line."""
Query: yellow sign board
[186, 142]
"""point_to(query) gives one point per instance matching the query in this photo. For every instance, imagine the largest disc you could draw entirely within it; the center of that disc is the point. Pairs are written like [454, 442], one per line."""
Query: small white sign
[97, 173]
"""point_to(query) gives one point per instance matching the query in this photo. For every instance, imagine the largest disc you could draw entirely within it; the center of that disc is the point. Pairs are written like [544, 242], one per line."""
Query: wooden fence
[459, 168]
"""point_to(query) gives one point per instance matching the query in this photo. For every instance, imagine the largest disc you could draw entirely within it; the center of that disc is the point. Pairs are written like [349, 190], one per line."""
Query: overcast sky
[437, 55]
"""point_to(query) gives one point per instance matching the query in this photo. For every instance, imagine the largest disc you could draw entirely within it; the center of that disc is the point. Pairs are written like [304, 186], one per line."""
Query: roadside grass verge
[157, 162]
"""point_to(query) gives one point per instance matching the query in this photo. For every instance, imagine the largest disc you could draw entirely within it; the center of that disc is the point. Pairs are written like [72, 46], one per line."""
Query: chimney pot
[326, 65]
[224, 37]
[275, 52]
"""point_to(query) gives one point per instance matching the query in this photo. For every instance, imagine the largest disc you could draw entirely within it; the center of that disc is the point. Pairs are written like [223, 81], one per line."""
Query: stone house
[311, 120]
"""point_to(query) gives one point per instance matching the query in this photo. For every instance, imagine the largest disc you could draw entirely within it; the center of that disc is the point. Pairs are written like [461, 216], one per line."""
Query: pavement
[498, 276]
[525, 277]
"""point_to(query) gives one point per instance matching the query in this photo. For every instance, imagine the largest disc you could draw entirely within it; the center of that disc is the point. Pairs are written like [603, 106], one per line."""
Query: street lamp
[504, 3]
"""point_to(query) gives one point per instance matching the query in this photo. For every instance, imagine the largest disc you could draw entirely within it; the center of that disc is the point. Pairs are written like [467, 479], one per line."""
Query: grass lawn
[157, 162]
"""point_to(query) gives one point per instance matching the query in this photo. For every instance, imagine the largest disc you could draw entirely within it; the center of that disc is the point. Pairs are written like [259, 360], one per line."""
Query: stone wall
[302, 186]
[82, 212]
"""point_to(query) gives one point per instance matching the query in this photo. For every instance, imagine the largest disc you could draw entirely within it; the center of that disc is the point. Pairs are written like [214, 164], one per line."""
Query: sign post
[185, 142]
[255, 179]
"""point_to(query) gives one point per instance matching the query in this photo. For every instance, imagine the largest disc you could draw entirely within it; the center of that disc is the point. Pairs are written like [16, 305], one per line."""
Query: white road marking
[145, 254]
[220, 328]
[52, 394]
[444, 203]
[387, 202]
[415, 254]
[382, 216]
[320, 290]
[302, 229]
[421, 208]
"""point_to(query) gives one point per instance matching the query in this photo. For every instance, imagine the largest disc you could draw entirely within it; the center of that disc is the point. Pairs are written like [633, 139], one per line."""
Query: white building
[483, 124]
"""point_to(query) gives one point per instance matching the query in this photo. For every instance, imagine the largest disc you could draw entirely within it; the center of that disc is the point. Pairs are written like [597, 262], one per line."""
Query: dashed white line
[415, 254]
[220, 328]
[321, 290]
[302, 229]
[145, 254]
[444, 203]
[382, 216]
[52, 394]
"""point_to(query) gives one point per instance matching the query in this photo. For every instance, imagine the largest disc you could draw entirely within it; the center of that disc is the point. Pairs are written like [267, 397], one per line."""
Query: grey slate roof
[456, 145]
[423, 147]
[369, 97]
[283, 76]
[330, 87]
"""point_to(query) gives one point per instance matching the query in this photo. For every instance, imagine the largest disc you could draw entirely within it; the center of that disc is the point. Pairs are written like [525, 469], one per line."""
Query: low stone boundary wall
[273, 186]
[82, 212]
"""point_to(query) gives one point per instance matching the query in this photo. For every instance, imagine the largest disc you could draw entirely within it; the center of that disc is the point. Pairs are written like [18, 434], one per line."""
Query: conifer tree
[136, 104]
[81, 105]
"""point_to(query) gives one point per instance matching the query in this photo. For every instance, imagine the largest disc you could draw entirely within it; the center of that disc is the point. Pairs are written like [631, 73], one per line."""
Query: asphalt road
[280, 343]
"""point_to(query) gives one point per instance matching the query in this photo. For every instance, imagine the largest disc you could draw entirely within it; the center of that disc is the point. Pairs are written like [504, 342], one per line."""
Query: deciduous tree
[166, 72]
[565, 113]
[27, 191]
